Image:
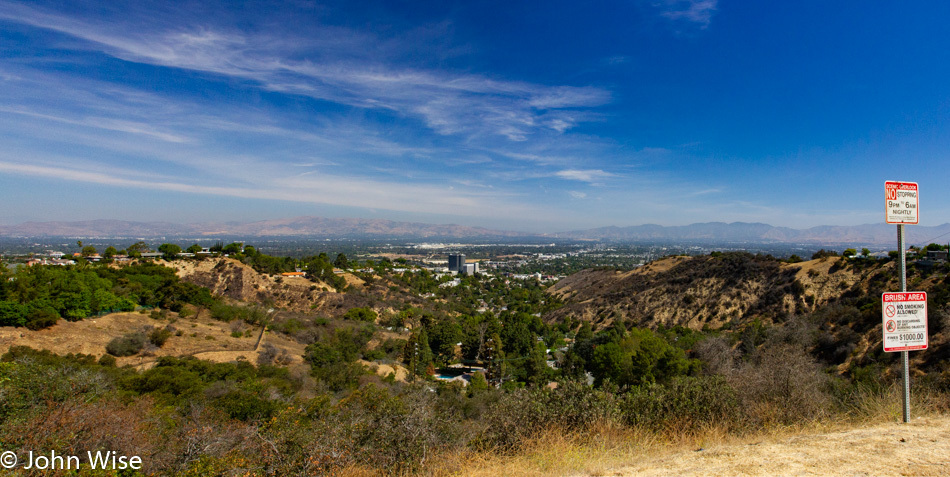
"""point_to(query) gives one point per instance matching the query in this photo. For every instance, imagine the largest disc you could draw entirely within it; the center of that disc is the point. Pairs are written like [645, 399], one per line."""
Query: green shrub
[245, 406]
[159, 336]
[107, 360]
[360, 314]
[228, 313]
[169, 381]
[521, 414]
[127, 345]
[41, 318]
[290, 326]
[682, 403]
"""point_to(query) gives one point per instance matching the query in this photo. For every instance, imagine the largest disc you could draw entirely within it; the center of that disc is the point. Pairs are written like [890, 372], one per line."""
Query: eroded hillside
[839, 297]
[700, 292]
[230, 278]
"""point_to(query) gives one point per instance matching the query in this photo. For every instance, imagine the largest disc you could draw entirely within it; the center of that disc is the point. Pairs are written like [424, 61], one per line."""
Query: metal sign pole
[905, 359]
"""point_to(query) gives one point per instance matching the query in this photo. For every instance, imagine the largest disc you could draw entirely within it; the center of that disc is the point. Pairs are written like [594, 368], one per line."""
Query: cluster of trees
[38, 296]
[333, 354]
[320, 268]
[628, 357]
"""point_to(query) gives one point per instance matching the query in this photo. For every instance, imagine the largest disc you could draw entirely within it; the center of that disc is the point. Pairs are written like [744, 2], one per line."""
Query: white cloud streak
[590, 175]
[109, 124]
[314, 188]
[696, 11]
[332, 69]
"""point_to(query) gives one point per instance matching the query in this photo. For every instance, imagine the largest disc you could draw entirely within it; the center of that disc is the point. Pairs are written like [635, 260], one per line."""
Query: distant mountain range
[315, 227]
[869, 234]
[320, 227]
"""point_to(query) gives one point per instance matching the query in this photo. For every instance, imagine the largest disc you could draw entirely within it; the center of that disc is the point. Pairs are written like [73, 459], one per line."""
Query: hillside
[200, 337]
[232, 279]
[339, 386]
[284, 299]
[840, 298]
[704, 292]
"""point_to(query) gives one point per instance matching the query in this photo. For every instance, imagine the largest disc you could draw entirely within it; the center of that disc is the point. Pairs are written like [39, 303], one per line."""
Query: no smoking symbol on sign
[891, 326]
[890, 310]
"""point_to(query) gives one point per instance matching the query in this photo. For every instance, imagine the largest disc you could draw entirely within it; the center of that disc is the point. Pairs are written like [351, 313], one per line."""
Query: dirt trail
[921, 447]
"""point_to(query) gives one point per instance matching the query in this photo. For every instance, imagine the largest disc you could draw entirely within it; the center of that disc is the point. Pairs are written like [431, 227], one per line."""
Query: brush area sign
[900, 202]
[905, 321]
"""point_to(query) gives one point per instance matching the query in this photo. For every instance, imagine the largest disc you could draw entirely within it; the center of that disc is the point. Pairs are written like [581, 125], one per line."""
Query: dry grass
[808, 449]
[555, 452]
[800, 448]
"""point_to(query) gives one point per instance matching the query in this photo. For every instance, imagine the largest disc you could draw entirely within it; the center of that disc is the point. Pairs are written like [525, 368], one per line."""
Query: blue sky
[535, 116]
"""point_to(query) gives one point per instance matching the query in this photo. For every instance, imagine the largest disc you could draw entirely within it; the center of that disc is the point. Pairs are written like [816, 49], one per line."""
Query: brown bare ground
[921, 447]
[202, 337]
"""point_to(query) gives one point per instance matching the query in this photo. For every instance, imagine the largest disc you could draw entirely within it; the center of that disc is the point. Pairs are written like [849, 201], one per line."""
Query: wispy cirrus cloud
[699, 12]
[317, 189]
[333, 65]
[589, 175]
[109, 124]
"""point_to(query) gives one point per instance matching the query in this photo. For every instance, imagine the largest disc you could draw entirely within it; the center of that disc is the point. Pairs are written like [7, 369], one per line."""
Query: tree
[320, 268]
[609, 362]
[536, 367]
[250, 251]
[419, 353]
[478, 384]
[169, 250]
[13, 313]
[824, 254]
[88, 251]
[850, 252]
[443, 337]
[341, 262]
[138, 247]
[110, 252]
[194, 249]
[639, 357]
[865, 252]
[233, 248]
[495, 356]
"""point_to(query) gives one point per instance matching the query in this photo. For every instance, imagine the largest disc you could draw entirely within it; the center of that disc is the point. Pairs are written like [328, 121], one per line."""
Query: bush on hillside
[127, 345]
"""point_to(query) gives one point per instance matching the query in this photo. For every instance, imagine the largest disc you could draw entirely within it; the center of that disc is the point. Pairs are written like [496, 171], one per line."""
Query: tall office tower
[457, 263]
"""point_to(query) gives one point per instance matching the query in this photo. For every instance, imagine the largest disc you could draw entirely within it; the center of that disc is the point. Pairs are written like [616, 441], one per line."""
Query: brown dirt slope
[200, 337]
[921, 447]
[838, 298]
[704, 291]
[230, 278]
